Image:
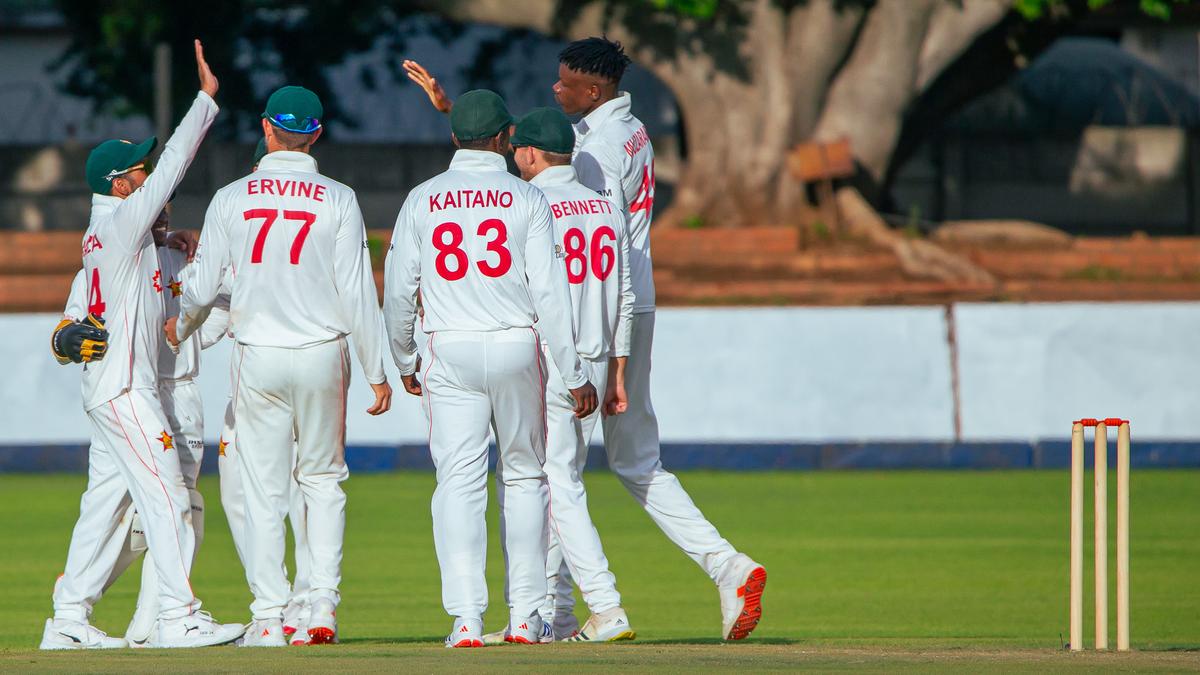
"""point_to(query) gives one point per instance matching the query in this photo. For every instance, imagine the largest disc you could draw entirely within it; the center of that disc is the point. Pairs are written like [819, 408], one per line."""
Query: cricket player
[477, 243]
[184, 410]
[614, 156]
[233, 497]
[295, 246]
[590, 239]
[134, 452]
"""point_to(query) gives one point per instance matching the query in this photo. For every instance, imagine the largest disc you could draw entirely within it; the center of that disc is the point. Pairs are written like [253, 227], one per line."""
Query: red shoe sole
[321, 636]
[752, 610]
[288, 631]
[518, 640]
[468, 643]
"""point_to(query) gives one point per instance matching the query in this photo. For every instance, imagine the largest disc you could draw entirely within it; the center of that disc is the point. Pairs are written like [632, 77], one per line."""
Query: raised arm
[421, 77]
[137, 212]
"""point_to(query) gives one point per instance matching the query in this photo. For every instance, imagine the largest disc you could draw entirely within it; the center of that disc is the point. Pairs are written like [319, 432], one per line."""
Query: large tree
[752, 77]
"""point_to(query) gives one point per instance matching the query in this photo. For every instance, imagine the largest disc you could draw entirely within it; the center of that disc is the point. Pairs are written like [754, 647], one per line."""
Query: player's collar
[555, 175]
[478, 160]
[617, 107]
[288, 160]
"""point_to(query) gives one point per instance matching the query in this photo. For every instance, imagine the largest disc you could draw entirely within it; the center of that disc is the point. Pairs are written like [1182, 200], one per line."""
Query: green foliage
[700, 9]
[693, 222]
[1036, 9]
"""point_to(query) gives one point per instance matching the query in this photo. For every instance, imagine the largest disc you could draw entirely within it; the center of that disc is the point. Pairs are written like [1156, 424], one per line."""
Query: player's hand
[208, 81]
[79, 341]
[422, 78]
[585, 400]
[383, 398]
[183, 240]
[412, 383]
[615, 400]
[169, 330]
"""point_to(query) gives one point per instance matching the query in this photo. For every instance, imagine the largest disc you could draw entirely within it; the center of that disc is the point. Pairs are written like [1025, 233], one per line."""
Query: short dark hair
[596, 56]
[291, 140]
[484, 143]
[556, 158]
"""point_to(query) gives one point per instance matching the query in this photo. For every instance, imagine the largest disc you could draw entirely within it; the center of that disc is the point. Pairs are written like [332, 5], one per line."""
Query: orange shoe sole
[467, 643]
[751, 614]
[517, 640]
[321, 636]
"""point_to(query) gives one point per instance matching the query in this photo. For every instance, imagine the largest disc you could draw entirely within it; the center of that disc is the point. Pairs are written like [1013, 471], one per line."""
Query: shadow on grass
[439, 639]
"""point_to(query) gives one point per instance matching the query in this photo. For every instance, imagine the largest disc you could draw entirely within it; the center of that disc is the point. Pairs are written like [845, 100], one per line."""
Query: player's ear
[455, 139]
[315, 135]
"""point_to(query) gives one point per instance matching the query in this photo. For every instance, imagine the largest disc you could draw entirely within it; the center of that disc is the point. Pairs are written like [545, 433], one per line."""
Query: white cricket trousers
[574, 544]
[631, 442]
[132, 456]
[291, 403]
[184, 410]
[476, 381]
[233, 500]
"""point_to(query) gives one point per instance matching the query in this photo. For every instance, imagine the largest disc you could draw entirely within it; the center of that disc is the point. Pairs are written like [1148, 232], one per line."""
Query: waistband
[518, 334]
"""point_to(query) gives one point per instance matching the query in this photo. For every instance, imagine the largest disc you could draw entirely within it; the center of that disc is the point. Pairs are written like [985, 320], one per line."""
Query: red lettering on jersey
[505, 199]
[283, 187]
[556, 210]
[319, 193]
[493, 200]
[252, 188]
[91, 244]
[433, 204]
[305, 189]
[637, 141]
[267, 186]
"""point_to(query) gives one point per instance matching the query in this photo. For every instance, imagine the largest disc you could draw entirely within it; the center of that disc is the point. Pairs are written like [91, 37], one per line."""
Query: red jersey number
[602, 252]
[448, 240]
[644, 201]
[269, 216]
[96, 304]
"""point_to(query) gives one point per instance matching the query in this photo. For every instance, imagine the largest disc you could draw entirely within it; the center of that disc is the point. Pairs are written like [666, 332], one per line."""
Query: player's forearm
[141, 208]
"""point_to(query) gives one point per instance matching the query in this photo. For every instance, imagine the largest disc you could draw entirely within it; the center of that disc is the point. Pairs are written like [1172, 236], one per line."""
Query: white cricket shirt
[613, 156]
[591, 241]
[295, 247]
[120, 266]
[477, 242]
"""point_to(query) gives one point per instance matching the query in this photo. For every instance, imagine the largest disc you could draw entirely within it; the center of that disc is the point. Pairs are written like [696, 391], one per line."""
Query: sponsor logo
[167, 441]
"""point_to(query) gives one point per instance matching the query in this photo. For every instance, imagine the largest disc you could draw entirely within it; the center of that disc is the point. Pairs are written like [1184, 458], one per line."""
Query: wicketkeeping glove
[79, 341]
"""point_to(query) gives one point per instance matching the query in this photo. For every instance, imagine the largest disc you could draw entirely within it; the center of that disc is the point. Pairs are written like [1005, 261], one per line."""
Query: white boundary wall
[792, 375]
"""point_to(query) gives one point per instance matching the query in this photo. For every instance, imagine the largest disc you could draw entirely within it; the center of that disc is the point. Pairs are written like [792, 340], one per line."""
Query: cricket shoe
[295, 618]
[141, 626]
[66, 634]
[322, 623]
[465, 633]
[527, 631]
[501, 636]
[264, 633]
[611, 625]
[741, 596]
[198, 629]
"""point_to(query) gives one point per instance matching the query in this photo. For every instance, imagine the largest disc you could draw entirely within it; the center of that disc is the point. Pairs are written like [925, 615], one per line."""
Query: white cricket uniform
[134, 451]
[295, 246]
[590, 236]
[614, 157]
[183, 407]
[476, 241]
[233, 495]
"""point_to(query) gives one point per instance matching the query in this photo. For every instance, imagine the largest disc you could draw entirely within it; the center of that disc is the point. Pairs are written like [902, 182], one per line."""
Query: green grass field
[944, 571]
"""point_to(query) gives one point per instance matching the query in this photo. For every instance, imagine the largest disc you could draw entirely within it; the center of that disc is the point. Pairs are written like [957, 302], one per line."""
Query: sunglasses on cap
[288, 122]
[146, 166]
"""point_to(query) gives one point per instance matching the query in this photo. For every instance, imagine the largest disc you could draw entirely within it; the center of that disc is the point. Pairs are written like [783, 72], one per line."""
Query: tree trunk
[763, 76]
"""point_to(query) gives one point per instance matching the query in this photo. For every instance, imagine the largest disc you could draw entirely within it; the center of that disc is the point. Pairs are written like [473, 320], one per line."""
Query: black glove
[79, 341]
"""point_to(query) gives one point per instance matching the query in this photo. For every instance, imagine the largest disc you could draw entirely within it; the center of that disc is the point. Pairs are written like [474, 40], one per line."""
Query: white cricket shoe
[141, 626]
[322, 623]
[264, 633]
[295, 619]
[465, 633]
[65, 634]
[526, 631]
[743, 582]
[501, 636]
[611, 625]
[195, 630]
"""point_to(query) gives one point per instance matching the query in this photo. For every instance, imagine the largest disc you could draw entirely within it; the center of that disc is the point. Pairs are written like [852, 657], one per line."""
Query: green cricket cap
[546, 129]
[294, 109]
[477, 114]
[260, 151]
[113, 158]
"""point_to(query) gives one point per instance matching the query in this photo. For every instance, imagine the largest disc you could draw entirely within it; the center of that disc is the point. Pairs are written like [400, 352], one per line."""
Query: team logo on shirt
[167, 441]
[157, 280]
[559, 252]
[221, 444]
[176, 288]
